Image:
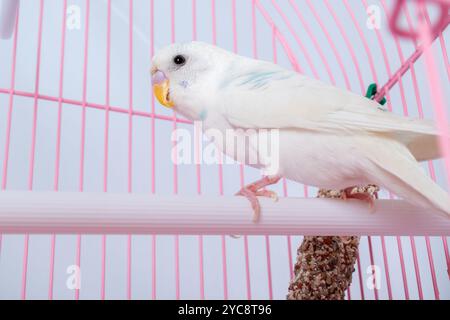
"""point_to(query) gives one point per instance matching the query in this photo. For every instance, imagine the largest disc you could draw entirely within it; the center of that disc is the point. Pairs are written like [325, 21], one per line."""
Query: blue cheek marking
[203, 114]
[184, 84]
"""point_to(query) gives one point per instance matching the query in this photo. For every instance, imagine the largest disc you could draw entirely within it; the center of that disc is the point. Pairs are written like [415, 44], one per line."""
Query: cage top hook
[438, 26]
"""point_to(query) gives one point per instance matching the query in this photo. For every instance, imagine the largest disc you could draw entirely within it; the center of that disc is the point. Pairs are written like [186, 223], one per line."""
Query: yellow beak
[161, 89]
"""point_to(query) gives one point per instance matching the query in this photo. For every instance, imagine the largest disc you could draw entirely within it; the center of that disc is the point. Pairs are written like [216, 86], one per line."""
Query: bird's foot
[363, 195]
[255, 190]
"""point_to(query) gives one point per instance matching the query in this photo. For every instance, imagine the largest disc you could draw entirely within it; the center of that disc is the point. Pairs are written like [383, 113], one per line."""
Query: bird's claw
[268, 194]
[252, 195]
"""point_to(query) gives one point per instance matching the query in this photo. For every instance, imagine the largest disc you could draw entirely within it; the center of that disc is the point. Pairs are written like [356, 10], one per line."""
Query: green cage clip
[372, 91]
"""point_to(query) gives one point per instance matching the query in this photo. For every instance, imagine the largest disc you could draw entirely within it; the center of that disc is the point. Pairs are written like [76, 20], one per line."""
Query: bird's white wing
[263, 95]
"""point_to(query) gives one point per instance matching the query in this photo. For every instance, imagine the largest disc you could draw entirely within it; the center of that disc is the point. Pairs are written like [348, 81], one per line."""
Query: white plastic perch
[104, 213]
[8, 12]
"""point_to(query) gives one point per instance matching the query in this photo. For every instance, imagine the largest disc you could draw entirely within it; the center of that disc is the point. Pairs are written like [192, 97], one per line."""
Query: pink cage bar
[86, 176]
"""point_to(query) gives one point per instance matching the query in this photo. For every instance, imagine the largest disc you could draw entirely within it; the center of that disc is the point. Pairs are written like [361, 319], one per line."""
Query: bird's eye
[179, 60]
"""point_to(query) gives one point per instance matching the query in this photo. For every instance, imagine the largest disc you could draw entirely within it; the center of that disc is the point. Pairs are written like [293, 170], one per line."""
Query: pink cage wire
[426, 35]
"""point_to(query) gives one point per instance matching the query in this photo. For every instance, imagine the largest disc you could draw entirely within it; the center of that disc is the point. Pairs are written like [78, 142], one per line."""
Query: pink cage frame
[426, 34]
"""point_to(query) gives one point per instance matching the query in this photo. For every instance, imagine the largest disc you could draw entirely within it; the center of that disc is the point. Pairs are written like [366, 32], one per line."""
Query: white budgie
[328, 137]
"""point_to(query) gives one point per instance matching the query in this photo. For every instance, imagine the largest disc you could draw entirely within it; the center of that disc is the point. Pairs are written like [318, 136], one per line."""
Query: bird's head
[181, 73]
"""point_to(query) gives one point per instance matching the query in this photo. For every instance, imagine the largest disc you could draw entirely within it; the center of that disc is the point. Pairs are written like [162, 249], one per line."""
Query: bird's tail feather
[398, 171]
[425, 146]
